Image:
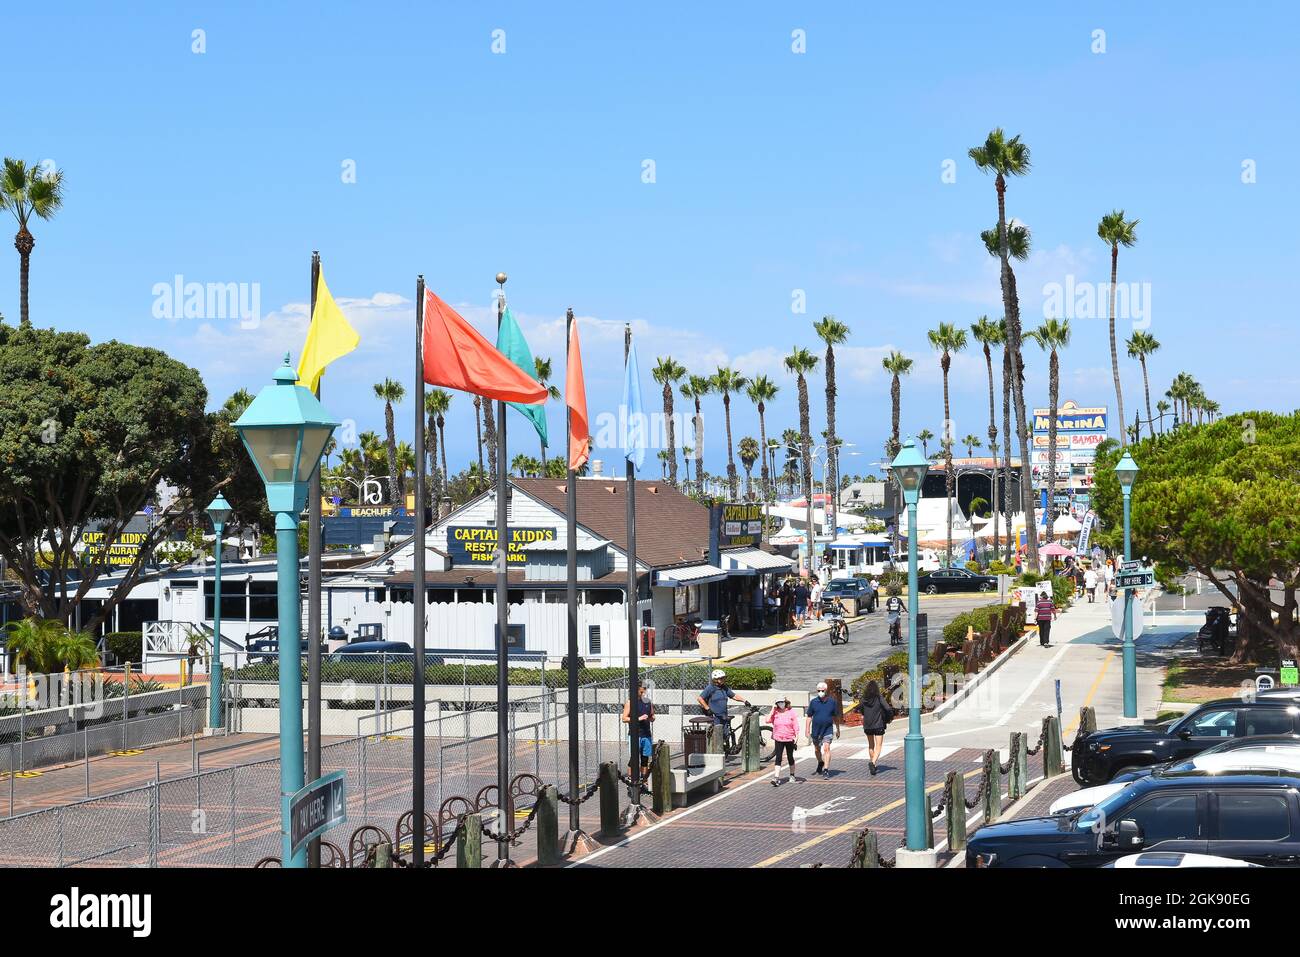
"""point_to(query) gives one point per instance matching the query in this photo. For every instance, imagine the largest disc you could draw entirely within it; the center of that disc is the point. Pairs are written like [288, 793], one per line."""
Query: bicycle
[731, 739]
[684, 633]
[839, 633]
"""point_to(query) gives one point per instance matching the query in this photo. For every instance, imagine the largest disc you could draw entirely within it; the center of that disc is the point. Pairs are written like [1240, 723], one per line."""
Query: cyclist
[835, 612]
[713, 699]
[894, 611]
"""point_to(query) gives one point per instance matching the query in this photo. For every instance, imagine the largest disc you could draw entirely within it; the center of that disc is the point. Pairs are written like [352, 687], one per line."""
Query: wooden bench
[701, 771]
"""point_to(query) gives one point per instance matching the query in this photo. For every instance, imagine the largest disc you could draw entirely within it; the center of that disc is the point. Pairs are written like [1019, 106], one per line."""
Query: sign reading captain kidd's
[741, 524]
[474, 544]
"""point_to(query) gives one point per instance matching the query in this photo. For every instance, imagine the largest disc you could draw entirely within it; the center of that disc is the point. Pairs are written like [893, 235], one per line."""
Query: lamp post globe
[218, 511]
[284, 431]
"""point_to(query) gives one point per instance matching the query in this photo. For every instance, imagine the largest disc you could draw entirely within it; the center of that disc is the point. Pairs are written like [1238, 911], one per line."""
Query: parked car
[954, 579]
[1099, 756]
[373, 651]
[858, 588]
[1269, 751]
[1175, 859]
[1251, 816]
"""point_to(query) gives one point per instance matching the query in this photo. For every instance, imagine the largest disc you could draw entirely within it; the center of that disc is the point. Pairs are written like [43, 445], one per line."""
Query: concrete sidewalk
[1087, 659]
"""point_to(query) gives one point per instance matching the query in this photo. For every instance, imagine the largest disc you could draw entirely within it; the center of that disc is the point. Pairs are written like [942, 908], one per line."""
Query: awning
[689, 575]
[747, 561]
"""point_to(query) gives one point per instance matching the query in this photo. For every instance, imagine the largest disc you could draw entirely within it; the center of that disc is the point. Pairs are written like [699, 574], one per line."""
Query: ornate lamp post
[285, 430]
[218, 511]
[1126, 469]
[909, 469]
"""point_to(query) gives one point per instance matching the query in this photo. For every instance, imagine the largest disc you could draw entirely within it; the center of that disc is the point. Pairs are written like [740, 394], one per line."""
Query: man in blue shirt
[820, 726]
[715, 695]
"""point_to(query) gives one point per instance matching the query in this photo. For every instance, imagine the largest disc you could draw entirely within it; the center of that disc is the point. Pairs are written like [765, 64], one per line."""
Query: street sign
[1138, 578]
[1290, 674]
[923, 642]
[315, 809]
[1130, 566]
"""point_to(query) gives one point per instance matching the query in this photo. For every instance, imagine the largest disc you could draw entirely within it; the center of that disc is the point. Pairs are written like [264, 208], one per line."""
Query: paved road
[801, 664]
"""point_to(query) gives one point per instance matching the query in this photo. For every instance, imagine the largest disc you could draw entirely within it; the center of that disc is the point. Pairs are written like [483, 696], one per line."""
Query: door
[1255, 825]
[1207, 728]
[1256, 721]
[1169, 821]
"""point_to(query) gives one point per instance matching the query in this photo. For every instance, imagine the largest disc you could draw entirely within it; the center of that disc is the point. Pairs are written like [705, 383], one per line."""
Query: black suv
[1101, 755]
[944, 580]
[1249, 815]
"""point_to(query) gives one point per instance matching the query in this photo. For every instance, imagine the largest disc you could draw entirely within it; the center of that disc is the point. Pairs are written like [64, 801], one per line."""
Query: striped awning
[748, 561]
[689, 575]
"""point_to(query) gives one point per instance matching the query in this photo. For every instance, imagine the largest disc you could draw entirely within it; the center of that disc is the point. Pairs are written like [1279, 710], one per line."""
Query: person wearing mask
[785, 732]
[821, 727]
[645, 716]
[1044, 612]
[876, 715]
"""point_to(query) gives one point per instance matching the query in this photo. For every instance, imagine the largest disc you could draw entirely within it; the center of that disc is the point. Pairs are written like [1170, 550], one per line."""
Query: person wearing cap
[819, 718]
[713, 699]
[785, 732]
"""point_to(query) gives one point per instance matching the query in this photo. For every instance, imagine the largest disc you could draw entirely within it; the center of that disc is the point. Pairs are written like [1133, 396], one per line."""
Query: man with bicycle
[713, 699]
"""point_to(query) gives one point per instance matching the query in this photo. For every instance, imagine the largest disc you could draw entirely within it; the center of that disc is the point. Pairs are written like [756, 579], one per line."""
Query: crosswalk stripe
[939, 754]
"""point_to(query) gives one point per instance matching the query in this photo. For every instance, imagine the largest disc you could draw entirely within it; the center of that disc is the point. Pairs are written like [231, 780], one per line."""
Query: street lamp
[285, 430]
[219, 510]
[909, 469]
[1126, 470]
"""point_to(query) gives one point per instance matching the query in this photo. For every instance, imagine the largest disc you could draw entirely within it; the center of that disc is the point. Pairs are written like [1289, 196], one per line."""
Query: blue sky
[775, 171]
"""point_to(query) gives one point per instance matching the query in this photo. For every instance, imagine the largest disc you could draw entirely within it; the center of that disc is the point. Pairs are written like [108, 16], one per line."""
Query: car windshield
[1104, 810]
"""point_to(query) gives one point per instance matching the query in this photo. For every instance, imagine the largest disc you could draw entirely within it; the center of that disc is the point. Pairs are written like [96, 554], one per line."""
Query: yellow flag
[330, 337]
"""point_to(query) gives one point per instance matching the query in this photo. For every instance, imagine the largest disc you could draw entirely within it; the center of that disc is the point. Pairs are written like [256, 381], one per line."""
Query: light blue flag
[635, 427]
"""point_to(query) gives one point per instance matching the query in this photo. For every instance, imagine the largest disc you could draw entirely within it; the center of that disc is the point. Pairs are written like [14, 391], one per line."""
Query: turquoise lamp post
[1126, 469]
[218, 511]
[909, 469]
[285, 430]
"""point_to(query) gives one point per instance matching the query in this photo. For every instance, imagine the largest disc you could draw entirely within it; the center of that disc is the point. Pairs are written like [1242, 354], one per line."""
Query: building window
[593, 639]
[262, 603]
[514, 637]
[234, 597]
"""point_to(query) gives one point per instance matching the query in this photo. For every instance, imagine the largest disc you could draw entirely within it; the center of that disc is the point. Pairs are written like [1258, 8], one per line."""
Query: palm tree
[490, 438]
[436, 404]
[790, 439]
[988, 334]
[406, 463]
[1163, 408]
[800, 362]
[1140, 345]
[1006, 439]
[947, 339]
[519, 464]
[668, 372]
[1115, 231]
[748, 456]
[972, 442]
[832, 332]
[761, 391]
[27, 190]
[391, 391]
[727, 381]
[1010, 157]
[897, 365]
[662, 455]
[696, 387]
[924, 437]
[686, 462]
[1053, 335]
[478, 429]
[543, 369]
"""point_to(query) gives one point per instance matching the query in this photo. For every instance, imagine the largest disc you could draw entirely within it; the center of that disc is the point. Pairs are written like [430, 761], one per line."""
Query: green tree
[761, 391]
[695, 388]
[947, 339]
[544, 372]
[391, 391]
[988, 334]
[1053, 335]
[27, 191]
[924, 437]
[668, 372]
[46, 647]
[87, 434]
[972, 442]
[748, 456]
[1115, 231]
[437, 402]
[725, 382]
[1140, 345]
[897, 365]
[832, 332]
[800, 362]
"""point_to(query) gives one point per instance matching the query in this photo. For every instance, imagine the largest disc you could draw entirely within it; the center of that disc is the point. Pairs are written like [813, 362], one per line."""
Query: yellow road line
[1091, 693]
[858, 822]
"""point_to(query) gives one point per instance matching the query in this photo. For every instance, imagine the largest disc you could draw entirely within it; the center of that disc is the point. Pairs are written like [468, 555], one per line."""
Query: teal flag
[512, 345]
[635, 426]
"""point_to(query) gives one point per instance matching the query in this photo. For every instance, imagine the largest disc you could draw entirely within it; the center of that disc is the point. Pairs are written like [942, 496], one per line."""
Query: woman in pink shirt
[785, 732]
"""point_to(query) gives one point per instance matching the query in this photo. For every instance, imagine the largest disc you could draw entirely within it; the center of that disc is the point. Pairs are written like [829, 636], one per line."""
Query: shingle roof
[671, 528]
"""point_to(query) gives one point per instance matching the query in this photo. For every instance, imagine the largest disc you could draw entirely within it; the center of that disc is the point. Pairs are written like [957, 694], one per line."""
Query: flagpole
[571, 596]
[417, 594]
[503, 623]
[313, 605]
[632, 676]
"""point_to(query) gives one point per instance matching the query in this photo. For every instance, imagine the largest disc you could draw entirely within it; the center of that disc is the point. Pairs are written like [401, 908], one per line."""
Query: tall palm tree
[390, 391]
[1053, 335]
[800, 362]
[478, 430]
[972, 442]
[1115, 231]
[543, 369]
[748, 456]
[988, 334]
[762, 390]
[897, 365]
[924, 437]
[1006, 441]
[1140, 345]
[519, 464]
[832, 332]
[26, 191]
[490, 438]
[696, 387]
[436, 404]
[686, 463]
[406, 463]
[668, 372]
[727, 381]
[790, 439]
[1163, 408]
[947, 339]
[1010, 157]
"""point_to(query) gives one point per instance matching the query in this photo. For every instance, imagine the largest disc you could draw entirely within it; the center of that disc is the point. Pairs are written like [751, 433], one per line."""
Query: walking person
[801, 596]
[876, 715]
[1110, 579]
[821, 727]
[1090, 584]
[1044, 613]
[645, 716]
[817, 590]
[785, 732]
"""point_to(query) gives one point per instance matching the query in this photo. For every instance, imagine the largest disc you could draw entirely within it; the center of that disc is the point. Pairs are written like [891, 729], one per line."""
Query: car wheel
[932, 589]
[985, 586]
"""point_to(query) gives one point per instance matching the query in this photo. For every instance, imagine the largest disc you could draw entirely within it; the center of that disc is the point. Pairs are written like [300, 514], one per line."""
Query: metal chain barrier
[1042, 739]
[627, 778]
[587, 794]
[984, 783]
[514, 835]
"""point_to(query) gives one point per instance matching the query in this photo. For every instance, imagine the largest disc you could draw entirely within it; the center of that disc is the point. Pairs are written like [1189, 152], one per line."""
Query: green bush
[858, 687]
[125, 646]
[893, 582]
[996, 567]
[981, 619]
[973, 567]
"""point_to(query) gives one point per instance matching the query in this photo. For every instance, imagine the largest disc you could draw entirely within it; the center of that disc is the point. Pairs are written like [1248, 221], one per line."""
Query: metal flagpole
[313, 605]
[571, 599]
[503, 621]
[632, 650]
[417, 593]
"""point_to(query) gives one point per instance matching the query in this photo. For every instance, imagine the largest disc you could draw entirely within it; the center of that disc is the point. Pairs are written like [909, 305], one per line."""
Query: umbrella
[1054, 549]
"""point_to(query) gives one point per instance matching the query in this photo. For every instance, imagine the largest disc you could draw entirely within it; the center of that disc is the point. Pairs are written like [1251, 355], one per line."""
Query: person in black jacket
[876, 715]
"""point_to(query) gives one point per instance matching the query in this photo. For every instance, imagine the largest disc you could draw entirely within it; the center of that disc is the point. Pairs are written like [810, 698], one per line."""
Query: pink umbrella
[1055, 550]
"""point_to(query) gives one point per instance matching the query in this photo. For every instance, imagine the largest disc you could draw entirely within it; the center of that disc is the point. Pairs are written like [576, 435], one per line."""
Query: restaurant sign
[741, 523]
[475, 544]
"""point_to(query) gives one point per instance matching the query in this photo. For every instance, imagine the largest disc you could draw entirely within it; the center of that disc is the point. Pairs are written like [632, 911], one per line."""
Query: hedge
[125, 645]
[402, 672]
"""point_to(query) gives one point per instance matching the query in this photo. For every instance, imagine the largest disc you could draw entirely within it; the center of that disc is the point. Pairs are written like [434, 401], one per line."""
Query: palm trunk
[1018, 386]
[490, 434]
[947, 457]
[832, 453]
[1114, 353]
[805, 442]
[765, 477]
[478, 429]
[1146, 390]
[24, 242]
[1006, 451]
[394, 480]
[993, 438]
[672, 434]
[895, 395]
[442, 439]
[731, 462]
[699, 446]
[434, 490]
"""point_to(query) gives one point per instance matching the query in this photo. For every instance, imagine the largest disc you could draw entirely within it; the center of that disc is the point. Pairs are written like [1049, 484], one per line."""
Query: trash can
[695, 739]
[710, 641]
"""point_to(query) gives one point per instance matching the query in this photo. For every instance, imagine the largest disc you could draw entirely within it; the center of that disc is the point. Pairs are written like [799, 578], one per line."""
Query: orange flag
[456, 356]
[575, 397]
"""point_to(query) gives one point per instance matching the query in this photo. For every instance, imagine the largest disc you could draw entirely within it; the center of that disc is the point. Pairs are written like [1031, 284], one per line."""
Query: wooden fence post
[608, 780]
[661, 779]
[548, 826]
[993, 788]
[866, 852]
[469, 843]
[752, 741]
[1015, 781]
[955, 806]
[1052, 763]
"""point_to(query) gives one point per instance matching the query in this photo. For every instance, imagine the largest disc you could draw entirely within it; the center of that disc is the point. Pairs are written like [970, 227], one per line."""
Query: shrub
[125, 646]
[892, 582]
[973, 567]
[996, 567]
[981, 619]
